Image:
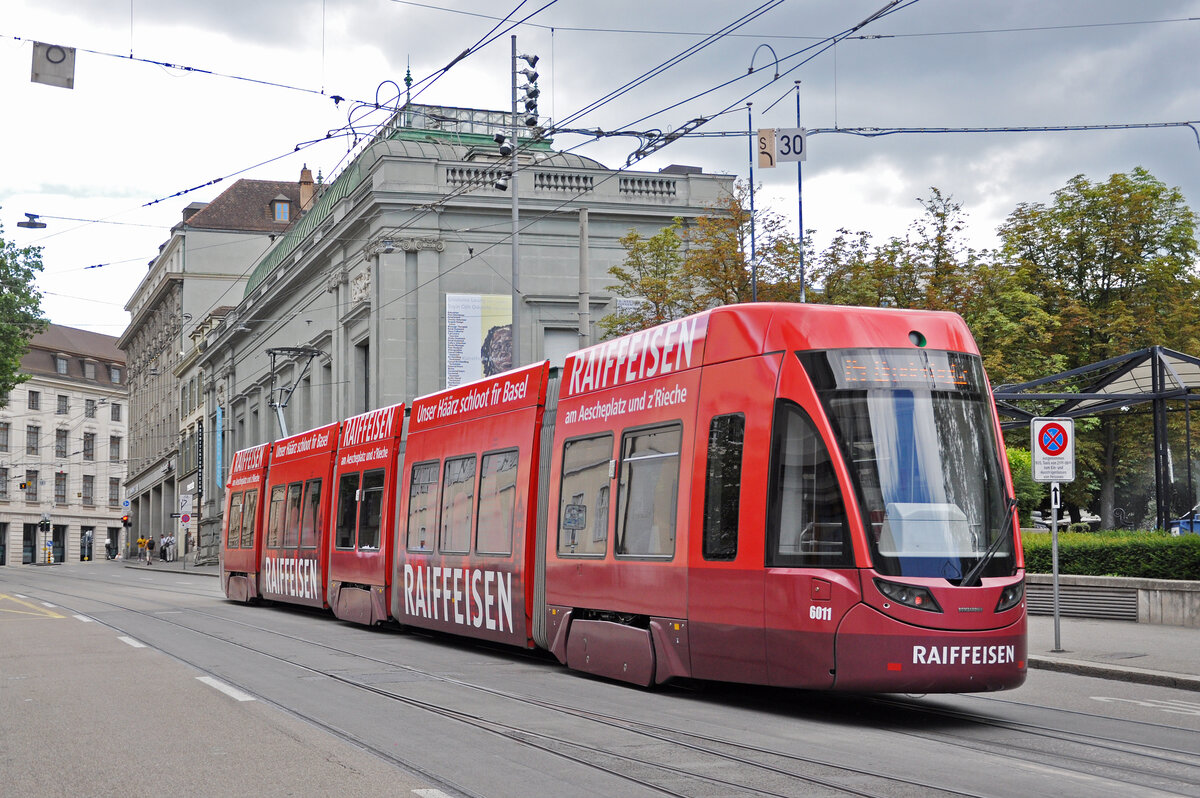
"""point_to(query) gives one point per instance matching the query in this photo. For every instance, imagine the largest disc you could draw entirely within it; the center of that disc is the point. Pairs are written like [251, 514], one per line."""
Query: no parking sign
[1053, 449]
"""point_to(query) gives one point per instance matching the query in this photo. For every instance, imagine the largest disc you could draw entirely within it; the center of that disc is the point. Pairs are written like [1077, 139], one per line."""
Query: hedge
[1148, 555]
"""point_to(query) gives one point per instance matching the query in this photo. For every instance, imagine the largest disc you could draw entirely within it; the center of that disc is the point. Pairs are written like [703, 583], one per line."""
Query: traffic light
[125, 522]
[44, 526]
[24, 486]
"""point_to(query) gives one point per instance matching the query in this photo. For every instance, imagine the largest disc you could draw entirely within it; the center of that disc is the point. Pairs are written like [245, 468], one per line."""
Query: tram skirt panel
[611, 650]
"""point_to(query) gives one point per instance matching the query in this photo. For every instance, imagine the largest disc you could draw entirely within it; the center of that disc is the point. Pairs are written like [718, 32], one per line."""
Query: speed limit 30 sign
[1053, 449]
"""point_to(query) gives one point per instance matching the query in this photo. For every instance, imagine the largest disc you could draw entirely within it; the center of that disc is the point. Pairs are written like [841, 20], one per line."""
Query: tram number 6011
[820, 613]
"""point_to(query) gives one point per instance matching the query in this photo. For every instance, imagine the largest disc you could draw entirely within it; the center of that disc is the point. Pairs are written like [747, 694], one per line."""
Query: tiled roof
[72, 341]
[246, 205]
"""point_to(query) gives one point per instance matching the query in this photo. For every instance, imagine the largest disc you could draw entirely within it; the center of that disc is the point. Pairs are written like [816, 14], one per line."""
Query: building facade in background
[398, 281]
[200, 268]
[63, 447]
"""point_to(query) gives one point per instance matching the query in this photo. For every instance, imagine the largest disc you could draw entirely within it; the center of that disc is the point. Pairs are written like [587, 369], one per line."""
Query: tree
[652, 273]
[20, 309]
[933, 269]
[717, 259]
[1114, 264]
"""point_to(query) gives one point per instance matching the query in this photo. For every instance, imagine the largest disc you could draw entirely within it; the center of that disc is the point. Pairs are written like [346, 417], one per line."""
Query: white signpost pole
[1053, 449]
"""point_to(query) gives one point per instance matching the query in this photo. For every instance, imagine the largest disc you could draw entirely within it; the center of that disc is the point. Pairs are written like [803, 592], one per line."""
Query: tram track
[656, 774]
[738, 763]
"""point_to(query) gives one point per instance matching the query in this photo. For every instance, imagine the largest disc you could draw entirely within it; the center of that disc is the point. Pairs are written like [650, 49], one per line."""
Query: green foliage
[20, 308]
[652, 272]
[1147, 555]
[1029, 493]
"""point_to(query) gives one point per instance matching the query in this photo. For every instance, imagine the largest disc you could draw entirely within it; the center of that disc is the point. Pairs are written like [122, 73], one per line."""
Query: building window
[89, 371]
[89, 490]
[114, 491]
[89, 446]
[114, 375]
[116, 412]
[31, 486]
[3, 484]
[60, 365]
[35, 400]
[3, 436]
[62, 405]
[31, 439]
[60, 443]
[60, 487]
[89, 408]
[281, 209]
[114, 448]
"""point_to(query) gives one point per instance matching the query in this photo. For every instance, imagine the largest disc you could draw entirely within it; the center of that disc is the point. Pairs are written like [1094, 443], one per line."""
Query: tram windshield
[915, 428]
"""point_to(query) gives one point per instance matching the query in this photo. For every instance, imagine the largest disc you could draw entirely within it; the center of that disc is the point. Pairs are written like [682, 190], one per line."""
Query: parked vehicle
[1188, 525]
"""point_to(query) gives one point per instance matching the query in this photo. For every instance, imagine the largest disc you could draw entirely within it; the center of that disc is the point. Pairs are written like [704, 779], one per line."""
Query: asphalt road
[338, 709]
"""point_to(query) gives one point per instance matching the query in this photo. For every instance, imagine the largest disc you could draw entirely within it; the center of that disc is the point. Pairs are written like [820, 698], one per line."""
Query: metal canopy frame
[1153, 375]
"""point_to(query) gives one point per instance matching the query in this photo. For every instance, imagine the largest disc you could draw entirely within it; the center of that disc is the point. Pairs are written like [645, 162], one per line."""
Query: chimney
[306, 188]
[192, 209]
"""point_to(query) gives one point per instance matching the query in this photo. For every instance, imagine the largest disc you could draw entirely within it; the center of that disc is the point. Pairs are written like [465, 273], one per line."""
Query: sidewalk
[1145, 653]
[181, 566]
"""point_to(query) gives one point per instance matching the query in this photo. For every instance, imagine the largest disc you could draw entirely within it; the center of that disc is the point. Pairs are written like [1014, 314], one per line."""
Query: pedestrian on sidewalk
[141, 544]
[150, 550]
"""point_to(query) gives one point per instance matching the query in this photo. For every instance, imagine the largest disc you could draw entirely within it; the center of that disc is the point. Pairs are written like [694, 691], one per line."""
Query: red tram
[796, 495]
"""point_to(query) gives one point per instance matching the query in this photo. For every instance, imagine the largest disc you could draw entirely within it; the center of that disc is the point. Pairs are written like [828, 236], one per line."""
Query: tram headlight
[1010, 597]
[909, 595]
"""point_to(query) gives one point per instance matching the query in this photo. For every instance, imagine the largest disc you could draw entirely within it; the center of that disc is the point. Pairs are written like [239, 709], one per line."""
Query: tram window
[422, 506]
[347, 510]
[584, 472]
[723, 486]
[249, 516]
[370, 509]
[275, 516]
[291, 525]
[806, 516]
[600, 519]
[497, 503]
[312, 514]
[234, 521]
[648, 492]
[458, 504]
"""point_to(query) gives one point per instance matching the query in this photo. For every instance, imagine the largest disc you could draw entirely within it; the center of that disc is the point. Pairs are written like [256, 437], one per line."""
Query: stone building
[398, 281]
[63, 444]
[203, 265]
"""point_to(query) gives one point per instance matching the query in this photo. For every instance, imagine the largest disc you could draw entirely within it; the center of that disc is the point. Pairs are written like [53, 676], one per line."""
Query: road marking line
[48, 604]
[131, 642]
[32, 610]
[83, 618]
[232, 692]
[428, 793]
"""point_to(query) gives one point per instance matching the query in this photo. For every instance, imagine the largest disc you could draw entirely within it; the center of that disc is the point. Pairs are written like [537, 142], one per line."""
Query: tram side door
[725, 590]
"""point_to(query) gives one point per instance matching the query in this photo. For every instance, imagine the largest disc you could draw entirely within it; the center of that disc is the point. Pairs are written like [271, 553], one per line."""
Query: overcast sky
[133, 132]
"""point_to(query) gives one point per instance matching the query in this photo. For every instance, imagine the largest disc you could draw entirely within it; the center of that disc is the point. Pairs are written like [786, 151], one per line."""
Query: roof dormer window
[281, 209]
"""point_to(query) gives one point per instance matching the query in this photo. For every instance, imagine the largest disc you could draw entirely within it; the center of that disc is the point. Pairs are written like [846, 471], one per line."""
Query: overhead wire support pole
[800, 201]
[753, 254]
[516, 245]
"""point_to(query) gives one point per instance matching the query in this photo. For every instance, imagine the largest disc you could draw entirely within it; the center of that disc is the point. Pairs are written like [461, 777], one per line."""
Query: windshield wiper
[972, 579]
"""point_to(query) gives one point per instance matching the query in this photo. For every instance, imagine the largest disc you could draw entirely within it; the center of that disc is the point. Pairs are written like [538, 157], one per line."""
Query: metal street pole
[753, 256]
[800, 200]
[516, 245]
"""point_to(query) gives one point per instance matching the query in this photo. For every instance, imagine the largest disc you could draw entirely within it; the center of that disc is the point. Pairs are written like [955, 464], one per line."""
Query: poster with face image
[478, 336]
